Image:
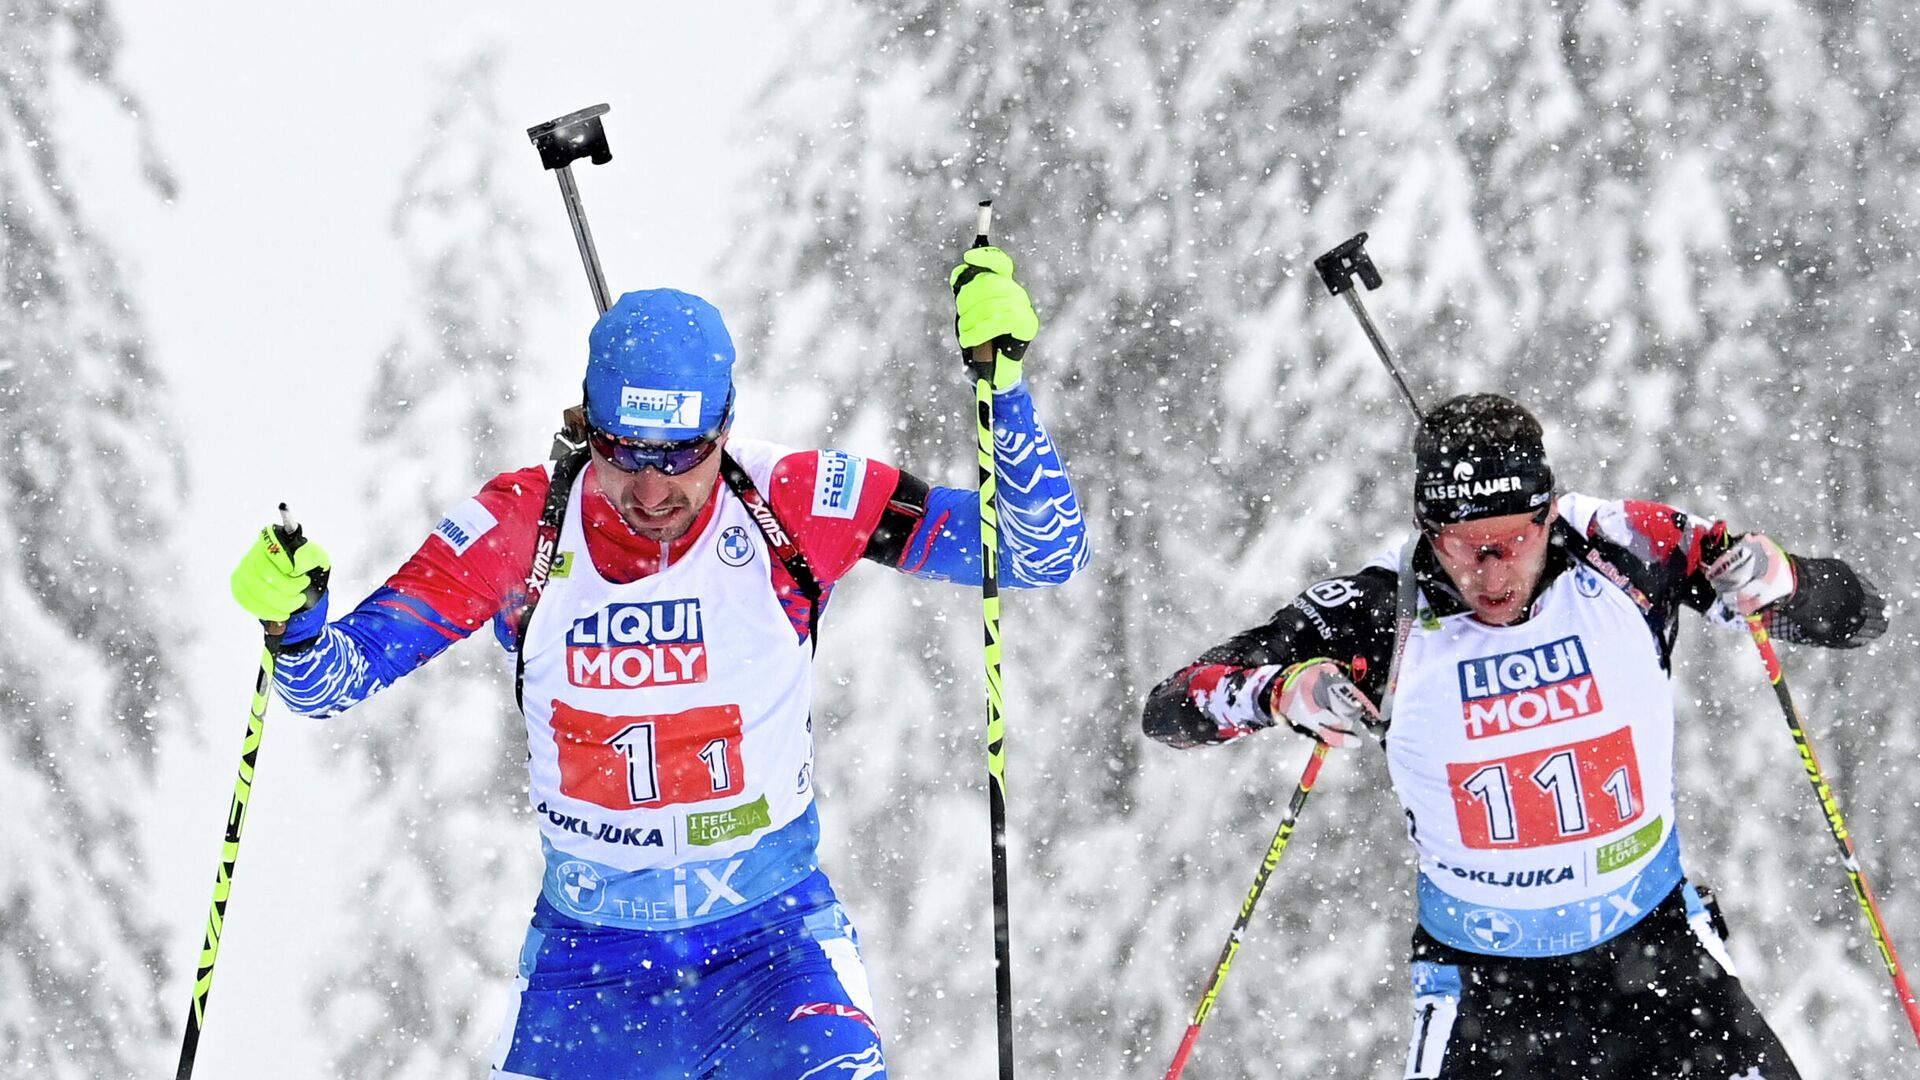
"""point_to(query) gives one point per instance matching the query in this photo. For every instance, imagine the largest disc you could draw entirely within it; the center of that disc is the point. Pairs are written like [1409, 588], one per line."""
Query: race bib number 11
[636, 762]
[1548, 796]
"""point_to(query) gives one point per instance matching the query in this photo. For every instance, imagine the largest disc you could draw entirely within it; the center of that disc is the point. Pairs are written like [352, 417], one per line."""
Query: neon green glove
[281, 576]
[991, 306]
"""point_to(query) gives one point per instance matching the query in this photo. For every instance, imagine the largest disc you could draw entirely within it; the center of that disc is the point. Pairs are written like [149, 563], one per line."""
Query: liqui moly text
[1545, 684]
[627, 646]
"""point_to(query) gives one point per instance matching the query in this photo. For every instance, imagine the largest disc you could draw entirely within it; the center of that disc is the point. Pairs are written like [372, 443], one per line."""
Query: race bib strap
[779, 540]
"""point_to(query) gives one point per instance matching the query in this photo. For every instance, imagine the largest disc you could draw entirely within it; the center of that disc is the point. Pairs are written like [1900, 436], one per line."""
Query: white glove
[1317, 700]
[1751, 575]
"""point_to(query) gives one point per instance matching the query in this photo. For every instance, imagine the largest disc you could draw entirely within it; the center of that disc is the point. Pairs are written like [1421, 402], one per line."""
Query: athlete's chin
[1499, 611]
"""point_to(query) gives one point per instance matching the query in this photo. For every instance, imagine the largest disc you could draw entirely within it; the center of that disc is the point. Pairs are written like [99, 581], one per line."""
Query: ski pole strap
[779, 539]
[569, 459]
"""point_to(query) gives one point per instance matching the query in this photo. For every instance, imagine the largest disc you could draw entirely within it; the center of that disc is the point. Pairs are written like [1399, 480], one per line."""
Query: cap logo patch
[1463, 471]
[643, 407]
[1471, 489]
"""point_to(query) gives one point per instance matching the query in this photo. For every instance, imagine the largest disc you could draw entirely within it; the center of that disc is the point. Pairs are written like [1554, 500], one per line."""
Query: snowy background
[253, 255]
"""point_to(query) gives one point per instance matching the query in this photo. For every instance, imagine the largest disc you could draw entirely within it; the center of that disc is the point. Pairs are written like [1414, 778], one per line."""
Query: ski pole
[982, 361]
[1274, 850]
[561, 142]
[290, 539]
[1337, 270]
[1836, 824]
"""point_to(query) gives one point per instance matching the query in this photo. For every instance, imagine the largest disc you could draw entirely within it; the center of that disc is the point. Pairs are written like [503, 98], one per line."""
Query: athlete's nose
[650, 487]
[1491, 573]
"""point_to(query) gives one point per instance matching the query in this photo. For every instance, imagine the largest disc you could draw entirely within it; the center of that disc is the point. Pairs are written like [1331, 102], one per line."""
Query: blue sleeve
[387, 636]
[1043, 540]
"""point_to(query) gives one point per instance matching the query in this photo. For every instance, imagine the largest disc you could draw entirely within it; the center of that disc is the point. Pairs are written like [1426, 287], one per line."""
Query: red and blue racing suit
[684, 927]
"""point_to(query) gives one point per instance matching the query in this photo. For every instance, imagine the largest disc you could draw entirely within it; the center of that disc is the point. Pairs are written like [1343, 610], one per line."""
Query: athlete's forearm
[1223, 695]
[1831, 605]
[1043, 537]
[368, 649]
[1206, 703]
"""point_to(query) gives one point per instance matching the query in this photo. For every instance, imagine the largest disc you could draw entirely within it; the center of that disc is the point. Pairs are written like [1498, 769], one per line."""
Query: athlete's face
[655, 505]
[1495, 562]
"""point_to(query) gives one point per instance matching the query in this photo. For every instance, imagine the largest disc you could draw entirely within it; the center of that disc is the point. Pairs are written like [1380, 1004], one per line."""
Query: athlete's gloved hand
[991, 306]
[1316, 699]
[283, 579]
[1751, 575]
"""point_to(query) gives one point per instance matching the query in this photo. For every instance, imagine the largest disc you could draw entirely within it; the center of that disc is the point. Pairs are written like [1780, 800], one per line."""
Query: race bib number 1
[636, 762]
[1548, 796]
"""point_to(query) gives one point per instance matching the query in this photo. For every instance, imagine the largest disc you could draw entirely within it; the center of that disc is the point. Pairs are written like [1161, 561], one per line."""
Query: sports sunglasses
[671, 457]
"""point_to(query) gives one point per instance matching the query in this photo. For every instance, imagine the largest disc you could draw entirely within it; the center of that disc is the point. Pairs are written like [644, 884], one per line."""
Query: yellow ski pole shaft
[236, 822]
[1278, 847]
[1836, 824]
[983, 360]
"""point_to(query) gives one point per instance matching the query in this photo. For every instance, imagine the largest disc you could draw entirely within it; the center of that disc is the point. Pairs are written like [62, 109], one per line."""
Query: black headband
[1478, 481]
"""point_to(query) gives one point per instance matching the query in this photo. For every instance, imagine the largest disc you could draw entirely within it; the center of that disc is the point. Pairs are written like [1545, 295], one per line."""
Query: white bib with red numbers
[1535, 762]
[668, 736]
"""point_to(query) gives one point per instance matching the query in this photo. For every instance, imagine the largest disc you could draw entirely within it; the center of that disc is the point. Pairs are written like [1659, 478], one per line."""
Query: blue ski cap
[659, 367]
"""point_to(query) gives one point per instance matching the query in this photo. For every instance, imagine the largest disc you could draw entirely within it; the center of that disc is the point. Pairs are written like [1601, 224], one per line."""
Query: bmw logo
[735, 548]
[1587, 582]
[1497, 931]
[581, 885]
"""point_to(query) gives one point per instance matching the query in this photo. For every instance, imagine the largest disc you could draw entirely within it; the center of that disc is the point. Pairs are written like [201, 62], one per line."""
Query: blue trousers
[773, 992]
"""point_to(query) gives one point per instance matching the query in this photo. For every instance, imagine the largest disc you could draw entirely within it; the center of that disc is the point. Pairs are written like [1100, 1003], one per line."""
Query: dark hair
[1479, 455]
[1487, 421]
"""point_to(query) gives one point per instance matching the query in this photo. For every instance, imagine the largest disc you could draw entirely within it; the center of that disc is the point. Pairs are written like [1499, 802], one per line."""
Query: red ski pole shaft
[1836, 824]
[1274, 850]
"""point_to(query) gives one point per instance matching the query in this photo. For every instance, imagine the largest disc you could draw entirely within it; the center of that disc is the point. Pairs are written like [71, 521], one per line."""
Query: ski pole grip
[1338, 267]
[567, 139]
[982, 359]
[288, 532]
[291, 537]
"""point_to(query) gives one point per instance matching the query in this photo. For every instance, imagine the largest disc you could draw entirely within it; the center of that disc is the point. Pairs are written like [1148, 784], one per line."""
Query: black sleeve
[1222, 695]
[1832, 605]
[905, 507]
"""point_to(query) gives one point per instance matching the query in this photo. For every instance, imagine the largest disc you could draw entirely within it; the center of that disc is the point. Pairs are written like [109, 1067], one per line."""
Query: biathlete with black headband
[1530, 737]
[661, 588]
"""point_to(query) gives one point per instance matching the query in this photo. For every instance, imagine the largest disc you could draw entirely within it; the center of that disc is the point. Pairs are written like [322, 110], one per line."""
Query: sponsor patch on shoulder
[465, 524]
[836, 489]
[1333, 592]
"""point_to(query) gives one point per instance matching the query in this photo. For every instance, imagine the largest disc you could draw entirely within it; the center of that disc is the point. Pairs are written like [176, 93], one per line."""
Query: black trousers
[1651, 1004]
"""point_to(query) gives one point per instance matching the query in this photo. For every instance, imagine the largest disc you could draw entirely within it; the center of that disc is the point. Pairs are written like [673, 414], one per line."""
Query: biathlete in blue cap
[660, 587]
[1530, 738]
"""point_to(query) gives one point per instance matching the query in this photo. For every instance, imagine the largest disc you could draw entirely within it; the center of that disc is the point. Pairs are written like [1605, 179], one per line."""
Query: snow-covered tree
[438, 759]
[88, 680]
[1679, 233]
